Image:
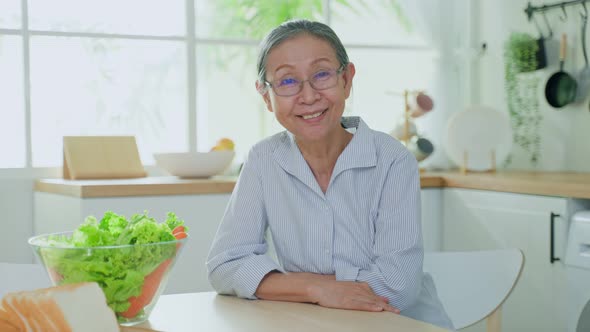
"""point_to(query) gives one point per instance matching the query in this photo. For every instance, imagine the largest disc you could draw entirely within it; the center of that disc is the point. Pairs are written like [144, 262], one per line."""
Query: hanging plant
[521, 55]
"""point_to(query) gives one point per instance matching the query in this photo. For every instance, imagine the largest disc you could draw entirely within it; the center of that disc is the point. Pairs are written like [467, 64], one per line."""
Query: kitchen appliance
[577, 263]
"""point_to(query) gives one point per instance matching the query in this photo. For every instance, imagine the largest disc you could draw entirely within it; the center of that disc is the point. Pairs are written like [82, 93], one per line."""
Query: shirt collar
[360, 152]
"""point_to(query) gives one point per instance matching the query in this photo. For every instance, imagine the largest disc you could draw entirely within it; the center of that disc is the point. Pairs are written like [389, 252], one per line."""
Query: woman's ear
[347, 76]
[263, 90]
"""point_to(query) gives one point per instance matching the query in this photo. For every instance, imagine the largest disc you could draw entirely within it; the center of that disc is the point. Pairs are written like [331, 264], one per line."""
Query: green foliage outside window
[255, 18]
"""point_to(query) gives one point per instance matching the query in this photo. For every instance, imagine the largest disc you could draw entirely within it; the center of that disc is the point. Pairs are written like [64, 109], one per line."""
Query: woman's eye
[321, 75]
[287, 81]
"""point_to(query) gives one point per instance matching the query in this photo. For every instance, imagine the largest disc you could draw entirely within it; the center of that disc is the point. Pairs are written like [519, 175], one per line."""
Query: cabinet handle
[552, 257]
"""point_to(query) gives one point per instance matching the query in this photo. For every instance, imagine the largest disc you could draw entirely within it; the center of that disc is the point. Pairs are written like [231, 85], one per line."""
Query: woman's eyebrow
[289, 66]
[320, 60]
[283, 66]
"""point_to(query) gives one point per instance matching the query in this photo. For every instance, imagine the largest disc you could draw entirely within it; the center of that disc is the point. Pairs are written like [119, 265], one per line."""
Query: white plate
[194, 164]
[479, 131]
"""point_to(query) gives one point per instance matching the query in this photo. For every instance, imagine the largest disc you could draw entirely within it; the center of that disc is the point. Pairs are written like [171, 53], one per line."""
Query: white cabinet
[16, 222]
[431, 219]
[201, 213]
[474, 220]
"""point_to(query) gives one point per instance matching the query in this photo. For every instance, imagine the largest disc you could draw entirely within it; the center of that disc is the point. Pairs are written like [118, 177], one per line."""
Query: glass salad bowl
[132, 276]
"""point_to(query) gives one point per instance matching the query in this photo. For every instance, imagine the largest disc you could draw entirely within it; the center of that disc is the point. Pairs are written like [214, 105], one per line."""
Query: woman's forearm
[292, 287]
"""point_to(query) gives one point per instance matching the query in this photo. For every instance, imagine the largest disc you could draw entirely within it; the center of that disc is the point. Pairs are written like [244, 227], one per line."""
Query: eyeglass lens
[321, 80]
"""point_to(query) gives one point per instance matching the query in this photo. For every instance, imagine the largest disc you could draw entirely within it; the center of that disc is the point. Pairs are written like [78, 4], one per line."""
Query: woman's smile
[313, 117]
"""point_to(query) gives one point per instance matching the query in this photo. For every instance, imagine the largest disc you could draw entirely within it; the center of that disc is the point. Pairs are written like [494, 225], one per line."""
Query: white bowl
[194, 164]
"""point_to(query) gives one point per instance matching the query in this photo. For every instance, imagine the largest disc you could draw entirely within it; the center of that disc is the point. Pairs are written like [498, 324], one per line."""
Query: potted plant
[524, 54]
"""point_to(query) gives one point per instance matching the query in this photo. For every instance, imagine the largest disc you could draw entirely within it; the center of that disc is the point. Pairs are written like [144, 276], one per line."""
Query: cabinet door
[431, 214]
[477, 220]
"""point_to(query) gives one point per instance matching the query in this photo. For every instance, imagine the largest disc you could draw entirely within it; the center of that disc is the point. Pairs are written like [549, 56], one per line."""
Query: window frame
[191, 41]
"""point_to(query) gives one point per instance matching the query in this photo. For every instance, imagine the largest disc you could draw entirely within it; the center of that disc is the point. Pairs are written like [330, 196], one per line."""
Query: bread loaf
[70, 308]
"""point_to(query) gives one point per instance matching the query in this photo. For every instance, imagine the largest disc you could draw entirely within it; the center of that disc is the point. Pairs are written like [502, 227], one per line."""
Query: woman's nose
[308, 94]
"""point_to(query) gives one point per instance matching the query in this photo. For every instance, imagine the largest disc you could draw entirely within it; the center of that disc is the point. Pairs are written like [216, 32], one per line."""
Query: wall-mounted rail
[530, 10]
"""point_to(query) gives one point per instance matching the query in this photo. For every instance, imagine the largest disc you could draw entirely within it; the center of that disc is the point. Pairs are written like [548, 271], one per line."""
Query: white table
[208, 311]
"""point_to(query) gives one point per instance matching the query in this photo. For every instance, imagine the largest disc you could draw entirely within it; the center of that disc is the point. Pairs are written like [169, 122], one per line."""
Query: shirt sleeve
[237, 260]
[396, 270]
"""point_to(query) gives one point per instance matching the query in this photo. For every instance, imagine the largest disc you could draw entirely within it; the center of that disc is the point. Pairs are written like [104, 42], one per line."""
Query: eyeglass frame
[337, 72]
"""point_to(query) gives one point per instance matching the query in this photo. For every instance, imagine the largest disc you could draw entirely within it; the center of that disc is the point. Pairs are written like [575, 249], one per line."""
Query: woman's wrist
[294, 286]
[316, 284]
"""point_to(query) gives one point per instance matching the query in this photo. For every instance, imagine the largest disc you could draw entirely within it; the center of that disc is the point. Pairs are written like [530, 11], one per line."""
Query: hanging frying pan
[561, 87]
[584, 76]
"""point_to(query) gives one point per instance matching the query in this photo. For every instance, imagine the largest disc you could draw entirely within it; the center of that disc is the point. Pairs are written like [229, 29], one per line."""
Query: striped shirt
[366, 227]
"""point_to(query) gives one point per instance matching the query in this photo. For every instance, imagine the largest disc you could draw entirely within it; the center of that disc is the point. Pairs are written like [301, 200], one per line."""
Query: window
[10, 17]
[12, 111]
[177, 80]
[83, 86]
[135, 17]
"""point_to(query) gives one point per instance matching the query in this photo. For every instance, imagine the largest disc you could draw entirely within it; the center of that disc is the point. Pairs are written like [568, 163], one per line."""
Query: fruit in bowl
[224, 144]
[129, 259]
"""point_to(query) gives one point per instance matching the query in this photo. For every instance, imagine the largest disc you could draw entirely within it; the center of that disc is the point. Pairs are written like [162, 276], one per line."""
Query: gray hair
[293, 28]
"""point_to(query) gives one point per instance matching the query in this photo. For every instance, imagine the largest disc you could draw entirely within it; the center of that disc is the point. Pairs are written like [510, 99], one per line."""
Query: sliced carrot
[148, 290]
[178, 229]
[180, 235]
[55, 276]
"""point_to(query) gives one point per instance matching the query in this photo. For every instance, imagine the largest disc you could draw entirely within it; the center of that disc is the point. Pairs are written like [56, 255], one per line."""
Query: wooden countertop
[561, 184]
[211, 312]
[148, 186]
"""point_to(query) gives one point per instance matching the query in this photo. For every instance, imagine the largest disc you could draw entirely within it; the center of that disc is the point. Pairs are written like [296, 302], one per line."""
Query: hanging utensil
[561, 87]
[541, 54]
[584, 76]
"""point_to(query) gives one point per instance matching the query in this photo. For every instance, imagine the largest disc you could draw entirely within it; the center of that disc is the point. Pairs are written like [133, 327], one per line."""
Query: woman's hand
[323, 290]
[349, 295]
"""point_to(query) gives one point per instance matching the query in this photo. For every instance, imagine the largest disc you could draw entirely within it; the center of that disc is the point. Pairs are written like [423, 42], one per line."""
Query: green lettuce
[88, 255]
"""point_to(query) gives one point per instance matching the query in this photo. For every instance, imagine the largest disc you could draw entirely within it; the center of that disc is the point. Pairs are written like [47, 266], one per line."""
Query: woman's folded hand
[348, 295]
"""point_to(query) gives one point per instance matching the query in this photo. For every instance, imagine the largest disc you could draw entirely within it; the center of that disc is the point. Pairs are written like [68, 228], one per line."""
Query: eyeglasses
[321, 80]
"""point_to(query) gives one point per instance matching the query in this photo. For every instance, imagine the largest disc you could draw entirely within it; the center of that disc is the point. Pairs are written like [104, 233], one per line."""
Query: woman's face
[310, 114]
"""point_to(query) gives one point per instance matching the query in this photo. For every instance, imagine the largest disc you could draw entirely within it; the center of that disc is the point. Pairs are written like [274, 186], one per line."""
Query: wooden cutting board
[101, 157]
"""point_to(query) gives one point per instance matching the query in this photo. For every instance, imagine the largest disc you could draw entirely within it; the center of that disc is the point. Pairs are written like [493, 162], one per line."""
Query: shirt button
[327, 251]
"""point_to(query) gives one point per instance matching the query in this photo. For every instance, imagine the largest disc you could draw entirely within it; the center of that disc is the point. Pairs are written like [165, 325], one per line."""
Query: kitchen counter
[560, 184]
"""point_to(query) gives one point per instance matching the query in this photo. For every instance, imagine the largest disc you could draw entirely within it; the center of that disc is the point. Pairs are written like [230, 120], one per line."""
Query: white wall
[565, 133]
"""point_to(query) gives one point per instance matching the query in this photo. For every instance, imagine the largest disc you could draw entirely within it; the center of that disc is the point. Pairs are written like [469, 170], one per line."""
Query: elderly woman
[341, 201]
